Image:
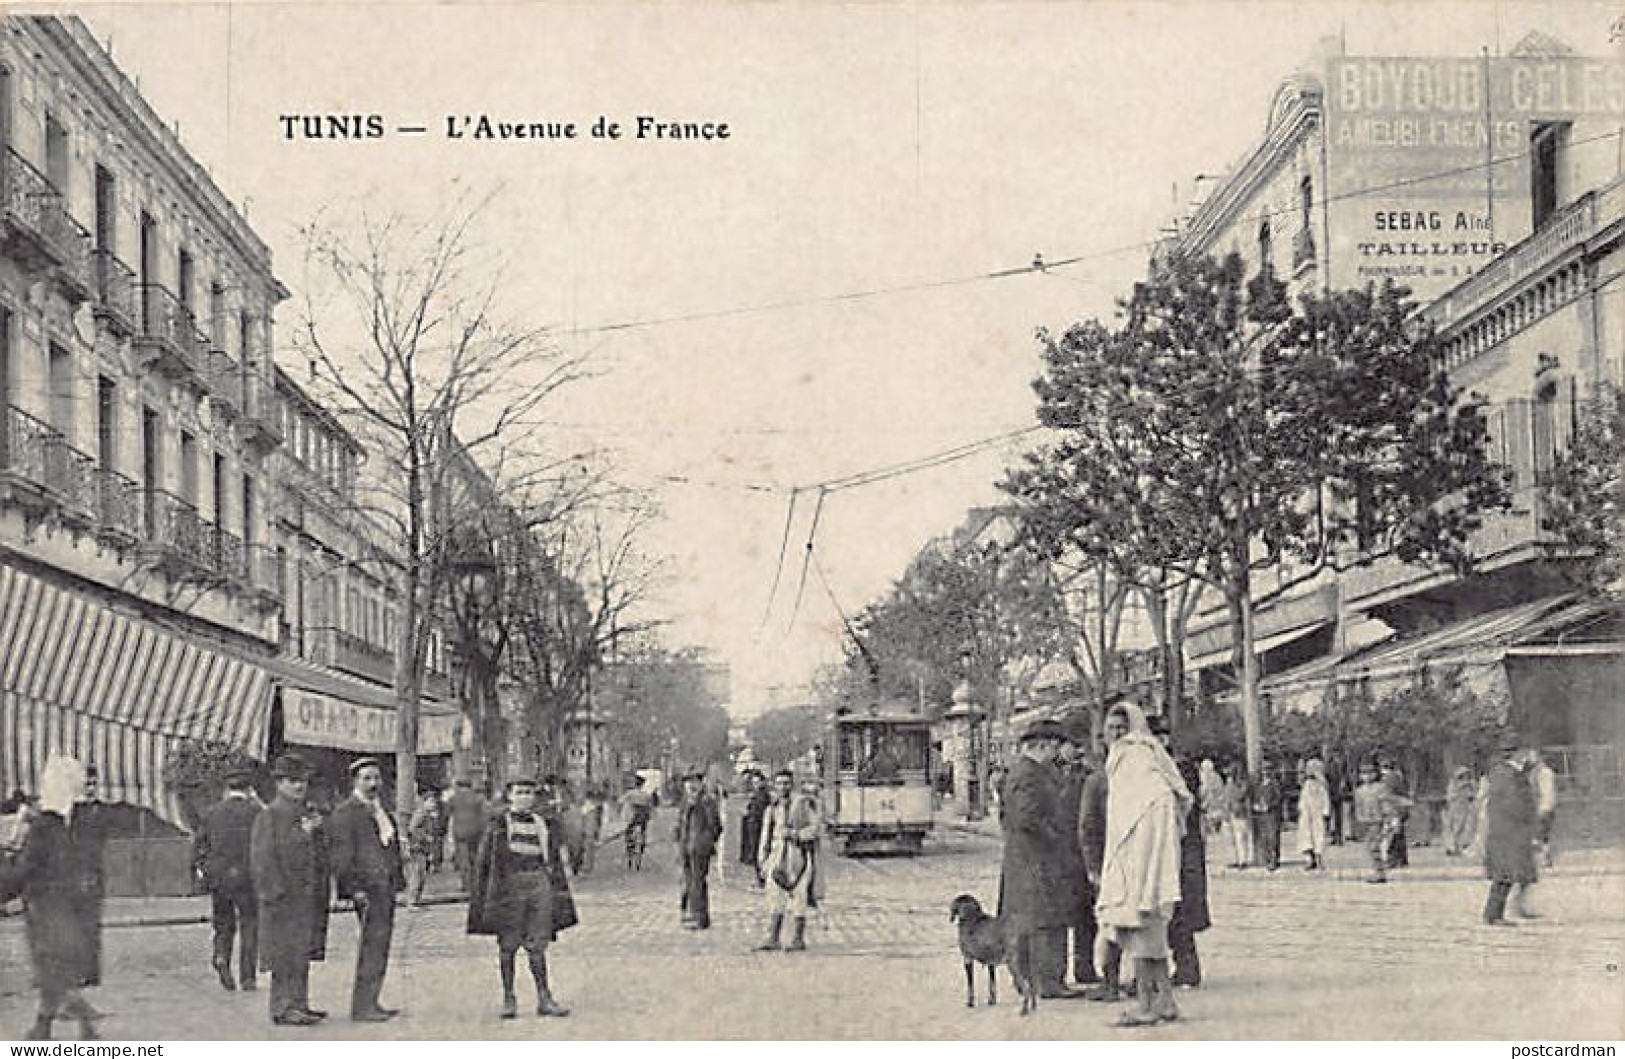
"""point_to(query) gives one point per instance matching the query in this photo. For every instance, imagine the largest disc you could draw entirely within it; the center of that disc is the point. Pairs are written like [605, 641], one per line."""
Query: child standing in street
[1379, 812]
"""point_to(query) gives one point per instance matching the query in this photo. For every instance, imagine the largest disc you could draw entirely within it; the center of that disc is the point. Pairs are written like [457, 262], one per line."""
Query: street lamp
[473, 574]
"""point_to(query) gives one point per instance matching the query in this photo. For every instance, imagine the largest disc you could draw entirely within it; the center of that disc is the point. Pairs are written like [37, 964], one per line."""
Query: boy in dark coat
[521, 893]
[220, 853]
[1509, 835]
[288, 863]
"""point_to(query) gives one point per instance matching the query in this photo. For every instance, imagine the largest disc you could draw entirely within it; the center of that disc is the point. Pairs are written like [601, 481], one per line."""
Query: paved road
[1292, 956]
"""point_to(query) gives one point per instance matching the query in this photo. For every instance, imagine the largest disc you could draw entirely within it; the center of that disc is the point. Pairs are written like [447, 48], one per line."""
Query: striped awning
[114, 691]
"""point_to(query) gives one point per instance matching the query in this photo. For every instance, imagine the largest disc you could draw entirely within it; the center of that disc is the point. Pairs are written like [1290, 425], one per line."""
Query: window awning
[114, 691]
[1483, 639]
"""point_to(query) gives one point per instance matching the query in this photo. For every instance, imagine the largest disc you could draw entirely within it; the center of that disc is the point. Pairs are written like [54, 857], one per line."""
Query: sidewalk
[443, 888]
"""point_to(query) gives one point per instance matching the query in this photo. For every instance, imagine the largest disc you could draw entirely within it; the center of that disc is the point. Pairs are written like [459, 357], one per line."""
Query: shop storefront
[332, 720]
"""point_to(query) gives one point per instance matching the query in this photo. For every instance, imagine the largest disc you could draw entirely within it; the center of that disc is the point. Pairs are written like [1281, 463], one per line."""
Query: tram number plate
[886, 805]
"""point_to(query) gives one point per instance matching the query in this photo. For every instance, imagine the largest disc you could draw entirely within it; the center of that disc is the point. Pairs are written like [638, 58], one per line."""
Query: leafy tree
[780, 736]
[1584, 505]
[1216, 431]
[987, 612]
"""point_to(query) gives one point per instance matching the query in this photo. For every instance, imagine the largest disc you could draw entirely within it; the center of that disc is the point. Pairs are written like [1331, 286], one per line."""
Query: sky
[872, 147]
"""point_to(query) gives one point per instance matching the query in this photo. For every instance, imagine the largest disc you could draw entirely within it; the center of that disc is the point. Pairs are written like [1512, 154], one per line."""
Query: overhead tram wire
[806, 560]
[1041, 267]
[778, 568]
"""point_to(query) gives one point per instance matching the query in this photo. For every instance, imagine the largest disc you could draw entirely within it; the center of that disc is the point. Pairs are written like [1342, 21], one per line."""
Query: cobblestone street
[1291, 955]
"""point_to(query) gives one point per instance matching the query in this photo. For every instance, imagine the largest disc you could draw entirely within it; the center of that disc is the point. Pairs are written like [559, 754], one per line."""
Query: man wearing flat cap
[368, 866]
[520, 892]
[1036, 895]
[290, 879]
[1075, 772]
[220, 856]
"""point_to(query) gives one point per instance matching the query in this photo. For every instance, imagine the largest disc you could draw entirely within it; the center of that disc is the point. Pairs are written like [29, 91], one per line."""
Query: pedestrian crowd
[1107, 843]
[1104, 861]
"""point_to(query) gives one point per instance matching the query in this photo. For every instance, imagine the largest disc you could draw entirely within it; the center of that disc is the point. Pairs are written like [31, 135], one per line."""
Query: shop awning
[1262, 645]
[323, 707]
[115, 691]
[1483, 639]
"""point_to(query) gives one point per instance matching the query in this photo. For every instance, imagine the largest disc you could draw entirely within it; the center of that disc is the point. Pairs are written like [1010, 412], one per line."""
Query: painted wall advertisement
[321, 720]
[1418, 150]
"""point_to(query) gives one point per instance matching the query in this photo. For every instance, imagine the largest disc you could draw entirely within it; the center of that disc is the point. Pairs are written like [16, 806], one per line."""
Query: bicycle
[637, 839]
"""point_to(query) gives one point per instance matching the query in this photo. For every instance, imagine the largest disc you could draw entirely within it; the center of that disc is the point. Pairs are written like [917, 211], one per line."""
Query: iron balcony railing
[35, 205]
[115, 287]
[260, 407]
[175, 529]
[118, 502]
[230, 555]
[166, 325]
[38, 453]
[356, 655]
[225, 378]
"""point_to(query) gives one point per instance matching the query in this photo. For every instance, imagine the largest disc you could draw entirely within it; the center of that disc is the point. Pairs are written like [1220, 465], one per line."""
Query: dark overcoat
[1079, 892]
[699, 825]
[58, 875]
[220, 848]
[1509, 827]
[1192, 910]
[489, 911]
[750, 824]
[360, 861]
[290, 877]
[1035, 892]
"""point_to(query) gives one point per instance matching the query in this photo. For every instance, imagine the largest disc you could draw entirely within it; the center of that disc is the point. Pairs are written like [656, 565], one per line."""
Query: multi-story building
[341, 612]
[1492, 187]
[138, 596]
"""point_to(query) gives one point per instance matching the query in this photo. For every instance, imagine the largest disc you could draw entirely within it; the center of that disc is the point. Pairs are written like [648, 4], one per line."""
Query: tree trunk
[1241, 603]
[408, 689]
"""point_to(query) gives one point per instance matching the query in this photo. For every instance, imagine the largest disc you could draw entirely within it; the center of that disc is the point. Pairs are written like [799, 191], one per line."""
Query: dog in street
[982, 941]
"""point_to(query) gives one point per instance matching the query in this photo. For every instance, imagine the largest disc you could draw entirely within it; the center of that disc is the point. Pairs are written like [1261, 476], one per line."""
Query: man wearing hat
[520, 892]
[291, 883]
[699, 826]
[368, 866]
[1036, 894]
[220, 858]
[1509, 834]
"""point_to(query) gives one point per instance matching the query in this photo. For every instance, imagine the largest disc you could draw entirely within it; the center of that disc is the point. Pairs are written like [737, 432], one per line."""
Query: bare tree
[580, 594]
[408, 344]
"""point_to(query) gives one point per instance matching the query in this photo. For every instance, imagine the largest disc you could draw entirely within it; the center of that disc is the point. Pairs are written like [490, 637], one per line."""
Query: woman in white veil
[1146, 804]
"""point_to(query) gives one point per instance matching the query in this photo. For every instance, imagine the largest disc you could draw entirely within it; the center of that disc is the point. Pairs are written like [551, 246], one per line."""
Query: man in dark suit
[220, 856]
[699, 826]
[292, 888]
[366, 849]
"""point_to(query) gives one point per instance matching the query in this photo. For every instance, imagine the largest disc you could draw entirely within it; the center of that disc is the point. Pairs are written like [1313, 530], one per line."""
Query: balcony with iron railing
[355, 655]
[262, 411]
[1303, 249]
[37, 229]
[115, 292]
[42, 471]
[179, 539]
[118, 507]
[230, 556]
[166, 334]
[223, 377]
